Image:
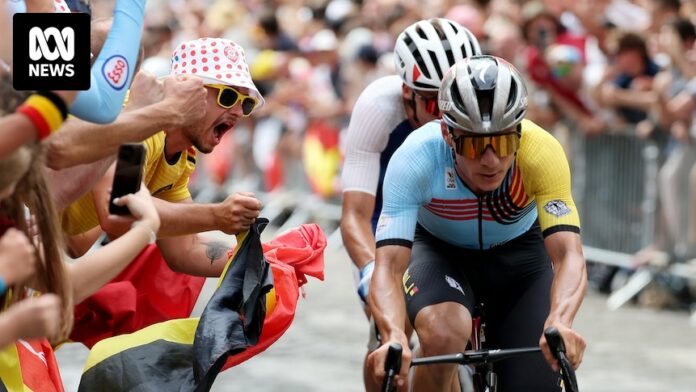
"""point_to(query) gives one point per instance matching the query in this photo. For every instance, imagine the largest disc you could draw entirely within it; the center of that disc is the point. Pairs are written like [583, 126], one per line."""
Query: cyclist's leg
[437, 302]
[517, 304]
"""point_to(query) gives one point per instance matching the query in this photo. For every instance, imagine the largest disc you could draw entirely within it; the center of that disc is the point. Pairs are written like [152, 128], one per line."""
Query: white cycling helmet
[483, 94]
[425, 50]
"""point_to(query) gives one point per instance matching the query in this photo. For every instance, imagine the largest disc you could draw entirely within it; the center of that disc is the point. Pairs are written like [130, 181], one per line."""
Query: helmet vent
[433, 58]
[421, 33]
[457, 99]
[512, 97]
[485, 102]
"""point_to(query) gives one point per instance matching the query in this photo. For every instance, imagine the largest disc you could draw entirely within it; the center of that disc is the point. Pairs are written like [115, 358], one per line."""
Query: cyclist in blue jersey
[387, 111]
[477, 209]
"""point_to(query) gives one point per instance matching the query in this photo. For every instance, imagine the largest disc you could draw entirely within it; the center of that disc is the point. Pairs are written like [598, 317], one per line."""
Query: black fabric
[513, 281]
[394, 241]
[57, 101]
[161, 366]
[557, 228]
[243, 289]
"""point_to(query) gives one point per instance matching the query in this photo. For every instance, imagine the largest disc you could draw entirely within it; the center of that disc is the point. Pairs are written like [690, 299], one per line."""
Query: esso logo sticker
[232, 54]
[115, 71]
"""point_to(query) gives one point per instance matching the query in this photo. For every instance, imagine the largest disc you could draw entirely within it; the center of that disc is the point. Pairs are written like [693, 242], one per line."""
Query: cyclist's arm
[547, 176]
[356, 227]
[386, 296]
[569, 280]
[567, 290]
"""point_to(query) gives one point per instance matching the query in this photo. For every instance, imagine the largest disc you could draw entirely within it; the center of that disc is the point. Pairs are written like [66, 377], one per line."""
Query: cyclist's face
[482, 174]
[215, 124]
[425, 105]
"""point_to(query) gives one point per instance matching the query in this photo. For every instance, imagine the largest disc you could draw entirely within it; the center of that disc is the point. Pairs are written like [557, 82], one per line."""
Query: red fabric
[39, 368]
[292, 255]
[273, 174]
[145, 293]
[540, 73]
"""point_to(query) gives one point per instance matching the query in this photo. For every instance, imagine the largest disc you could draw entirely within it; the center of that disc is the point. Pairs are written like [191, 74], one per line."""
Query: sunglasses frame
[240, 97]
[479, 153]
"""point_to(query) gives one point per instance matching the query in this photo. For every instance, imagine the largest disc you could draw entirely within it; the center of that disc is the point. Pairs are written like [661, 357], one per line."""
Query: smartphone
[128, 176]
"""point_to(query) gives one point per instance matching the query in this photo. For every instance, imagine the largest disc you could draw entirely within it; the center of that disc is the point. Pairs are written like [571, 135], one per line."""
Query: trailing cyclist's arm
[356, 227]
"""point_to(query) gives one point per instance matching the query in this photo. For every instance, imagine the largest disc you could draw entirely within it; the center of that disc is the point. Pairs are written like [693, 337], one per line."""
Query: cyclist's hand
[574, 345]
[376, 359]
[236, 213]
[17, 257]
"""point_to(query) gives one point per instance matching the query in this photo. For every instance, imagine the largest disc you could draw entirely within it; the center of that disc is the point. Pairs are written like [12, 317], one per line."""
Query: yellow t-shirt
[164, 180]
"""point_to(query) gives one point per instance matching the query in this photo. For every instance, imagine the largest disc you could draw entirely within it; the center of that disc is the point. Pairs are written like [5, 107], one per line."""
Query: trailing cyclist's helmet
[427, 49]
[483, 94]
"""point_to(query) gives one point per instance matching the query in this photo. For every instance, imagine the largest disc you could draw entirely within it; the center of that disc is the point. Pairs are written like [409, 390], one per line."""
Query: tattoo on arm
[215, 249]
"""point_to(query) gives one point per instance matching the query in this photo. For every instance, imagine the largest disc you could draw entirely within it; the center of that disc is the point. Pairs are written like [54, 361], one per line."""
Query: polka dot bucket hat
[216, 61]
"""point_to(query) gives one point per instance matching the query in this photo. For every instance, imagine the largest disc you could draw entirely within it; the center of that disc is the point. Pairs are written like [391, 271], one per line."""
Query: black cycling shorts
[513, 281]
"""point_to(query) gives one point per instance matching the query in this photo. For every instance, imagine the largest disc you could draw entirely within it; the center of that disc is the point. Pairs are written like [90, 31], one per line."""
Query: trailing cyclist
[477, 209]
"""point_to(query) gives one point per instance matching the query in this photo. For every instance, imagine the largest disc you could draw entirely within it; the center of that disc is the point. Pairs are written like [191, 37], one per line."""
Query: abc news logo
[51, 51]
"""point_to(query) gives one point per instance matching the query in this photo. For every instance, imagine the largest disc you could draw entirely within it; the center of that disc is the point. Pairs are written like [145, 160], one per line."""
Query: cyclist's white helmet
[483, 94]
[425, 50]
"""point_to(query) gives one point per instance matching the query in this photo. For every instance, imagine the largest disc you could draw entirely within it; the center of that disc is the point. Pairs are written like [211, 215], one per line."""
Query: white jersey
[378, 126]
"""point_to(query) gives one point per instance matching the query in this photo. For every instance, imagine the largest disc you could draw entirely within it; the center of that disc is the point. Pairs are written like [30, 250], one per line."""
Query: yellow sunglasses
[229, 96]
[473, 147]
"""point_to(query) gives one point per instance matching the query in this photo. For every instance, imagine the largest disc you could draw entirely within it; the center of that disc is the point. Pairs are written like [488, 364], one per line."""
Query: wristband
[48, 110]
[43, 130]
[57, 101]
[3, 286]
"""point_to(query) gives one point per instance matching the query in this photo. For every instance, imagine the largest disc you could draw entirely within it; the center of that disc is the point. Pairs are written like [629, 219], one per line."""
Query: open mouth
[220, 129]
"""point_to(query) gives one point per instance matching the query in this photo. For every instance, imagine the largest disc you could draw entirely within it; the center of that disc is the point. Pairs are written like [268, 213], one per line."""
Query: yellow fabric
[10, 372]
[175, 331]
[546, 175]
[48, 110]
[165, 181]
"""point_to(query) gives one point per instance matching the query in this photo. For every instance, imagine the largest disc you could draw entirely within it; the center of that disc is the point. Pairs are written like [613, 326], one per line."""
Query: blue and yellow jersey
[421, 185]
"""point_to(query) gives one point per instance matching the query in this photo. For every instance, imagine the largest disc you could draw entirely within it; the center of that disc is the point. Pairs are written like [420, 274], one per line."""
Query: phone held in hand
[128, 176]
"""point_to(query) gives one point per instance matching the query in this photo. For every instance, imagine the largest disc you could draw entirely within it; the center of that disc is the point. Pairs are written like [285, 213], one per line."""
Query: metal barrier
[614, 187]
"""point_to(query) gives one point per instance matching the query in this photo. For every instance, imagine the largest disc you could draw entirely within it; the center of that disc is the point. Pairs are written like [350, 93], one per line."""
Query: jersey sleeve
[406, 188]
[548, 178]
[367, 137]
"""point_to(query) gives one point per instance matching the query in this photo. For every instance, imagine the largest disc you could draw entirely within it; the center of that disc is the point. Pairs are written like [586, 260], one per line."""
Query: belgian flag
[187, 354]
[244, 317]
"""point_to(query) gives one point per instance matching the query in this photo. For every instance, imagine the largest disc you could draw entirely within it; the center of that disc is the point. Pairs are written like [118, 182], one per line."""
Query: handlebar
[392, 365]
[557, 347]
